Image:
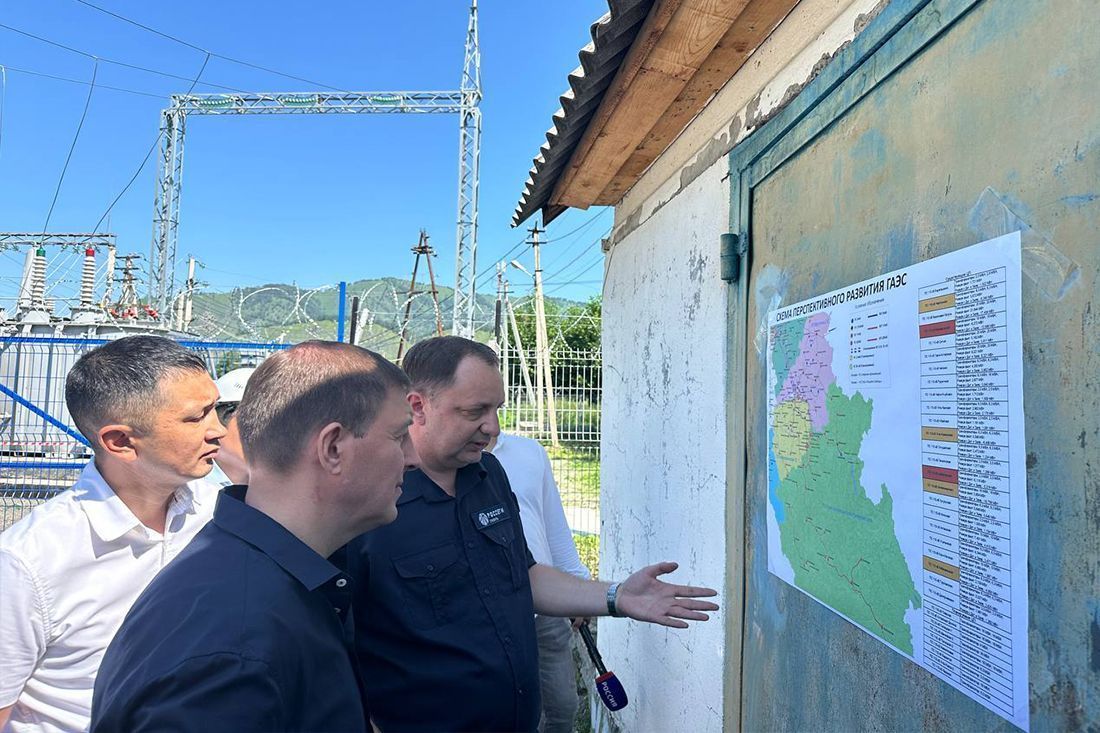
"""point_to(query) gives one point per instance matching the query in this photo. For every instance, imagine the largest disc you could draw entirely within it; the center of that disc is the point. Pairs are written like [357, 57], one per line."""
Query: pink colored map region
[812, 372]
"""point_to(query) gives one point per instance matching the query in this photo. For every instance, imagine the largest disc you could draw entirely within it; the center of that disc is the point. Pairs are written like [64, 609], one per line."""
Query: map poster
[896, 477]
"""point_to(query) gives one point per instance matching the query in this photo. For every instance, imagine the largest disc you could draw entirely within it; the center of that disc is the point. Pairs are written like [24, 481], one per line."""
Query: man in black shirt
[247, 629]
[446, 595]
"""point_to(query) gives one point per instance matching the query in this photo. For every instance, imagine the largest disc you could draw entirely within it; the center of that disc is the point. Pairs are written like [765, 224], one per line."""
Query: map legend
[869, 346]
[964, 453]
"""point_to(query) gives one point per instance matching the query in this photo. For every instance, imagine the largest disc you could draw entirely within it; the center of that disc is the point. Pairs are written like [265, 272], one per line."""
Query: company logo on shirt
[490, 516]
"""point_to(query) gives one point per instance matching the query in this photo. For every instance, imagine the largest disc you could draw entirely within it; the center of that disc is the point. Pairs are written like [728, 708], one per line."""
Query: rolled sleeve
[209, 693]
[23, 626]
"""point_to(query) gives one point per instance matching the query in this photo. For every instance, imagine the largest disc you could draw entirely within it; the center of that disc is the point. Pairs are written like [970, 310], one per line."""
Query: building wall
[664, 488]
[663, 471]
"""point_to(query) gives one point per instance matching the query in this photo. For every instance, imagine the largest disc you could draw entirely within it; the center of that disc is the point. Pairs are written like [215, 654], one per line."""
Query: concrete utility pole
[542, 347]
[185, 304]
[500, 327]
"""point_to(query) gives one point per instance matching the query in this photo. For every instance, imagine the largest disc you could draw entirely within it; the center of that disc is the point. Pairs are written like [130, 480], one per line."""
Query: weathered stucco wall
[664, 490]
[663, 477]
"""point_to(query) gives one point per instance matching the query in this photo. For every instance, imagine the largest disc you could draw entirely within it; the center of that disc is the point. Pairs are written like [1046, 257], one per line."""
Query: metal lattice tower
[465, 103]
[469, 157]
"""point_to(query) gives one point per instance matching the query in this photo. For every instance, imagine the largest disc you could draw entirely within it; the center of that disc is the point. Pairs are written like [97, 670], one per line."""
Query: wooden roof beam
[676, 40]
[755, 23]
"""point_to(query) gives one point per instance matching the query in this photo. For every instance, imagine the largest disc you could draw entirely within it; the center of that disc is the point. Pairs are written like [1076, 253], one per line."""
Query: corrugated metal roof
[612, 37]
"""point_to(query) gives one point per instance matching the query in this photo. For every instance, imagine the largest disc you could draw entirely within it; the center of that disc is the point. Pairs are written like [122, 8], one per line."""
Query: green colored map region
[791, 442]
[842, 546]
[786, 339]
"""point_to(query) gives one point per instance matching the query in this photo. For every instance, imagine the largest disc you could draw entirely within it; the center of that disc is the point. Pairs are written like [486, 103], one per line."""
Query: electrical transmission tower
[465, 102]
[424, 249]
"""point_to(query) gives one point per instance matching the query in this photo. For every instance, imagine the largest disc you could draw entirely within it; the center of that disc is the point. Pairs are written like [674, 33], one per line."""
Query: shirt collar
[109, 516]
[417, 484]
[271, 538]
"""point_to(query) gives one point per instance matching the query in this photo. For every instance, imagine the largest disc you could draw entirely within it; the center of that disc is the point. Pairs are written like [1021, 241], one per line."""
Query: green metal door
[943, 124]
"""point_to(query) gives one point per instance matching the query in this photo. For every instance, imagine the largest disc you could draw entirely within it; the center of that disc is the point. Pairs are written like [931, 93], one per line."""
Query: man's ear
[118, 442]
[418, 402]
[330, 447]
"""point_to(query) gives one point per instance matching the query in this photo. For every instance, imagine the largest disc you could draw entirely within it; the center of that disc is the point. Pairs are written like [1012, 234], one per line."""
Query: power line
[72, 147]
[580, 274]
[223, 57]
[116, 62]
[149, 154]
[486, 274]
[3, 95]
[562, 252]
[583, 252]
[77, 81]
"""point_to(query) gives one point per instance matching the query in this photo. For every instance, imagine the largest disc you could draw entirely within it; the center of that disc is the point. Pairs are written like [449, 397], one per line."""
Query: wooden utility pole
[422, 248]
[542, 346]
[523, 368]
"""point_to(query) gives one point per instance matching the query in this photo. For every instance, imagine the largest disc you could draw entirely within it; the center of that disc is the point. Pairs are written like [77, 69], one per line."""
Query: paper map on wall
[896, 476]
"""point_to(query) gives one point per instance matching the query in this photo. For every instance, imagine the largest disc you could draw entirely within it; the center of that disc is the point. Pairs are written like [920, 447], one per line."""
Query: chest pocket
[432, 584]
[502, 540]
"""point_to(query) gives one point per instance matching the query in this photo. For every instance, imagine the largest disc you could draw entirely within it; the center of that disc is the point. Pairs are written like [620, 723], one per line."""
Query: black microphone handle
[593, 652]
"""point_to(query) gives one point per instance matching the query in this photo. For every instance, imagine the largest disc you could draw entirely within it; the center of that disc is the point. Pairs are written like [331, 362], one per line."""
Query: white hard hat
[231, 384]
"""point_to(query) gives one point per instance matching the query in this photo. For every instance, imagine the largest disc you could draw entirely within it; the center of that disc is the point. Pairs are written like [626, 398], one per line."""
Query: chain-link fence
[41, 451]
[568, 426]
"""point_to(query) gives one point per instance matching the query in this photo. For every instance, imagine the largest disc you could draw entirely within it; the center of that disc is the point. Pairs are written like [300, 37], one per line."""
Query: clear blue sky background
[306, 199]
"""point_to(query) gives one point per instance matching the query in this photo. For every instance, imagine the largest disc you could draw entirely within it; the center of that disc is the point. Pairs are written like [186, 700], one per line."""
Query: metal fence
[567, 426]
[41, 451]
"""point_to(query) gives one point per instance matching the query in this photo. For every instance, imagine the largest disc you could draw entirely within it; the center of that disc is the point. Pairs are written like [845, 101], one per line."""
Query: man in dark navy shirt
[446, 595]
[247, 629]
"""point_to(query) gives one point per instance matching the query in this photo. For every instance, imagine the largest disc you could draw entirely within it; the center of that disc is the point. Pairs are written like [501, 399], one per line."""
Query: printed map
[897, 490]
[842, 546]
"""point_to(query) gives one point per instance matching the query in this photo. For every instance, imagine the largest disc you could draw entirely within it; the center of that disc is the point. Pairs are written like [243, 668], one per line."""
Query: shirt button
[470, 544]
[431, 568]
[507, 640]
[520, 691]
[341, 582]
[486, 591]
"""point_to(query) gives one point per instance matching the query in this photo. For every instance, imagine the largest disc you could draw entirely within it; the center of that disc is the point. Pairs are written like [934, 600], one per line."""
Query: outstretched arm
[642, 596]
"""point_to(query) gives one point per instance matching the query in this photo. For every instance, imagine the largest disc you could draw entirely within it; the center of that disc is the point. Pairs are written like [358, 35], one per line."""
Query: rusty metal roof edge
[612, 36]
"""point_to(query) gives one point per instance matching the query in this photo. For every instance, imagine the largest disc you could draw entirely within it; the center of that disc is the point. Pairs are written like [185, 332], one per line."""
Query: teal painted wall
[878, 165]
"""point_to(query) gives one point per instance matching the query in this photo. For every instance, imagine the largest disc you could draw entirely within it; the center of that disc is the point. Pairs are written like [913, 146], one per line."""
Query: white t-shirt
[69, 572]
[544, 527]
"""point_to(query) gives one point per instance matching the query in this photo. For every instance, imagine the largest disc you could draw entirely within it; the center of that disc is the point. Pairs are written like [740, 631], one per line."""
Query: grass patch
[577, 471]
[588, 547]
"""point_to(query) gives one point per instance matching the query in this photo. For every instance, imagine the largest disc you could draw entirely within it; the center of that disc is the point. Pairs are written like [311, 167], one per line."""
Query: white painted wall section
[663, 452]
[663, 485]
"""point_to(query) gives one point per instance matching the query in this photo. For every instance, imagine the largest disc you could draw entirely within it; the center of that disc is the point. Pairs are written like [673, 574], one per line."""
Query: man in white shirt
[551, 543]
[231, 467]
[71, 569]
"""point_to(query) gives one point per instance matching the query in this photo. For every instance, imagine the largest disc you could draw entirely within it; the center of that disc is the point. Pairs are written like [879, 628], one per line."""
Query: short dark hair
[295, 392]
[431, 364]
[120, 381]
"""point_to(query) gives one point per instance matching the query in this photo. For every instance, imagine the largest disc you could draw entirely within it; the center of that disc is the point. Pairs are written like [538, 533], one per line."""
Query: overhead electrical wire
[72, 147]
[448, 299]
[156, 141]
[78, 81]
[223, 57]
[116, 62]
[3, 95]
[580, 274]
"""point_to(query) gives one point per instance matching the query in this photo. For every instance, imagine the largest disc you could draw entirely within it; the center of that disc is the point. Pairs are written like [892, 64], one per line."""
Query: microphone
[607, 684]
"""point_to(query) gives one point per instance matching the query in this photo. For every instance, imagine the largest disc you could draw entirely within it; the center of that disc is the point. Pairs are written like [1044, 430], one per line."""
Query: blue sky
[311, 199]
